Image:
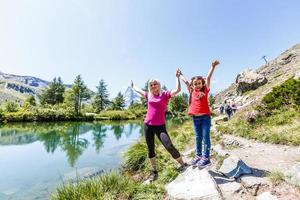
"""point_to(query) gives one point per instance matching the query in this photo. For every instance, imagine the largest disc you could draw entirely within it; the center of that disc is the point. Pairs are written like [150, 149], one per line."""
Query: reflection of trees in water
[73, 145]
[118, 129]
[66, 135]
[51, 140]
[98, 136]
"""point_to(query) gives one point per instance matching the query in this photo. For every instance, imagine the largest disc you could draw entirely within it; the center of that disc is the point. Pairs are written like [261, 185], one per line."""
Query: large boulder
[234, 167]
[249, 80]
[193, 184]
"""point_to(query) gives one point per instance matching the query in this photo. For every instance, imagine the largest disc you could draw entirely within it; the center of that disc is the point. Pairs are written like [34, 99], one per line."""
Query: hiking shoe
[152, 177]
[182, 168]
[195, 160]
[203, 162]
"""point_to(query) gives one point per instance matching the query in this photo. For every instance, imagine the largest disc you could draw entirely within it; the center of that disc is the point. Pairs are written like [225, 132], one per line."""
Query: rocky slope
[17, 88]
[263, 79]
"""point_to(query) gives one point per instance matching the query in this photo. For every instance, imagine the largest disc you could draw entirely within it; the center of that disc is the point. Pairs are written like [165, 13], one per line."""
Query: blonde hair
[152, 81]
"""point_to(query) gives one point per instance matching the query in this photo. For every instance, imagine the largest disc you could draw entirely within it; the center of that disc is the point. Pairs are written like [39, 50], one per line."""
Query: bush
[284, 95]
[11, 106]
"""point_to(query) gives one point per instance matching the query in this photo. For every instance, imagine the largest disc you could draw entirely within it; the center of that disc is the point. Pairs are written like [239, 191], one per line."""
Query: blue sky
[138, 39]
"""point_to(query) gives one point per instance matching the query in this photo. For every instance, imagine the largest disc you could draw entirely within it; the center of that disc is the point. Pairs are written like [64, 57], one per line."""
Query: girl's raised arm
[137, 89]
[178, 86]
[210, 73]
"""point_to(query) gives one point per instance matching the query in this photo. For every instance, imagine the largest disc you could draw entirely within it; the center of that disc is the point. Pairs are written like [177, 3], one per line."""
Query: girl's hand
[178, 73]
[215, 63]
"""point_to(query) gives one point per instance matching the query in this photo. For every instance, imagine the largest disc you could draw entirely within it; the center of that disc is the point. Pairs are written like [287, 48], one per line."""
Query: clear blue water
[35, 158]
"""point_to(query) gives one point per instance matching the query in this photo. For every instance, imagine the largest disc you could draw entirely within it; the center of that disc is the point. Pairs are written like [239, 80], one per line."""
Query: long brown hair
[191, 86]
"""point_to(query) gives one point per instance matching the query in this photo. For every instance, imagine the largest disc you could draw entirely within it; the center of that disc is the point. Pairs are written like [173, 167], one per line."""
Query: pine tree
[80, 92]
[101, 100]
[54, 93]
[119, 102]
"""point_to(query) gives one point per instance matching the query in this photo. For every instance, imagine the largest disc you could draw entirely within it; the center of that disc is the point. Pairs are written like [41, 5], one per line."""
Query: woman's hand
[178, 73]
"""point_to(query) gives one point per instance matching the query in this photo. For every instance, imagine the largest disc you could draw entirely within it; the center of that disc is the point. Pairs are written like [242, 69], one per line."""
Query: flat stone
[219, 150]
[292, 176]
[193, 184]
[230, 187]
[234, 167]
[266, 196]
[250, 181]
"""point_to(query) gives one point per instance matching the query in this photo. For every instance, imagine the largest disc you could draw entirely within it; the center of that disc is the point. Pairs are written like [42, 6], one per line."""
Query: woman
[199, 110]
[155, 121]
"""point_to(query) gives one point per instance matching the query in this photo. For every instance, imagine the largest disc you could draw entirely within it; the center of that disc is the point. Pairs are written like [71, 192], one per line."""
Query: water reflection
[68, 136]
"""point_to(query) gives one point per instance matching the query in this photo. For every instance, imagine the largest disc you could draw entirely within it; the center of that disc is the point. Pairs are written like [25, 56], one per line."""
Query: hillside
[275, 71]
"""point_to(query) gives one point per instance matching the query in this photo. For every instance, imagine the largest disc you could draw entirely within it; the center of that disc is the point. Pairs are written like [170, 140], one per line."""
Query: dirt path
[265, 156]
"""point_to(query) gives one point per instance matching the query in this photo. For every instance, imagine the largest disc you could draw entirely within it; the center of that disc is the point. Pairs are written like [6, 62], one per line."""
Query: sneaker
[152, 177]
[182, 168]
[203, 162]
[195, 160]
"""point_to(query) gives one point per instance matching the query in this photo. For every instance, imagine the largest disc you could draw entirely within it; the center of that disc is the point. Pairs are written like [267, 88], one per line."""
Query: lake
[35, 158]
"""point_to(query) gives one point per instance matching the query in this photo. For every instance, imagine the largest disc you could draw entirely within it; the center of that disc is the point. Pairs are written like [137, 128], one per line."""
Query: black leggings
[164, 138]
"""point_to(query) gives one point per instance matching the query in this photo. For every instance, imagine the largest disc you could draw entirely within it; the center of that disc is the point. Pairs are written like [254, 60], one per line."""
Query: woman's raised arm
[178, 86]
[137, 89]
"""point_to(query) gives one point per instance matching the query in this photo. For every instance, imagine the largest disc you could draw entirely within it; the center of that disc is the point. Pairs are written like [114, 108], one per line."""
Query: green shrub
[284, 95]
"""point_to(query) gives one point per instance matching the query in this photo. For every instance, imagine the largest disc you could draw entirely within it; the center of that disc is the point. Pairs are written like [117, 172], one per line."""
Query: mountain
[251, 85]
[130, 97]
[17, 88]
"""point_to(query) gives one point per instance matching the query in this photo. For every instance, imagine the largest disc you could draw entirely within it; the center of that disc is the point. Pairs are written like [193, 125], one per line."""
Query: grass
[112, 185]
[276, 177]
[282, 127]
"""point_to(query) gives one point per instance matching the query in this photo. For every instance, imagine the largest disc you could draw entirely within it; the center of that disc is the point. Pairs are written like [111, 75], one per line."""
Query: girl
[200, 112]
[154, 123]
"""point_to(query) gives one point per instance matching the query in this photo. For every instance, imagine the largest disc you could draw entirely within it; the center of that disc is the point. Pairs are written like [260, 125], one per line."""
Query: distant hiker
[233, 107]
[221, 108]
[155, 121]
[228, 110]
[199, 88]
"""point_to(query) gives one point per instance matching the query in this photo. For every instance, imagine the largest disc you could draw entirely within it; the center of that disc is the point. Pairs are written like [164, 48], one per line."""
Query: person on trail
[221, 108]
[233, 107]
[228, 110]
[199, 88]
[154, 123]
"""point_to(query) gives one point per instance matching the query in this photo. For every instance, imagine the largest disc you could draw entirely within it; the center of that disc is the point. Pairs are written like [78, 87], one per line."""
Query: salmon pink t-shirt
[199, 106]
[157, 106]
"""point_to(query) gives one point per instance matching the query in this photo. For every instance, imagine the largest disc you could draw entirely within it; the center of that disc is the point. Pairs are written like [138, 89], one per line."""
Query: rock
[292, 176]
[234, 167]
[188, 152]
[266, 196]
[230, 187]
[232, 142]
[249, 80]
[193, 184]
[219, 150]
[83, 173]
[287, 59]
[252, 183]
